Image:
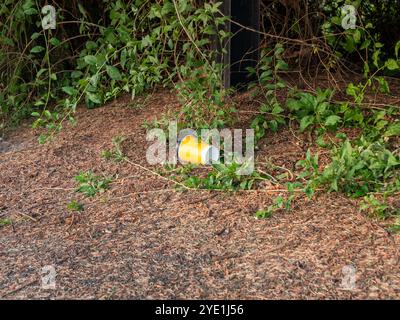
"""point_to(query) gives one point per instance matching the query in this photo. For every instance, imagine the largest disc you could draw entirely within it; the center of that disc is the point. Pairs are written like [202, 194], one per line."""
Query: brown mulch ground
[143, 240]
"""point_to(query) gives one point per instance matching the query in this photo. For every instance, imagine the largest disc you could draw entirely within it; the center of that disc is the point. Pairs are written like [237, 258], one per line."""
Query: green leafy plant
[395, 227]
[279, 203]
[309, 173]
[269, 83]
[136, 46]
[5, 222]
[116, 153]
[201, 90]
[90, 184]
[117, 46]
[225, 177]
[365, 41]
[311, 111]
[377, 208]
[361, 167]
[178, 172]
[381, 209]
[74, 205]
[265, 213]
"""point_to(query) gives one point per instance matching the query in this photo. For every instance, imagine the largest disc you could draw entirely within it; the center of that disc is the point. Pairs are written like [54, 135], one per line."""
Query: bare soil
[142, 239]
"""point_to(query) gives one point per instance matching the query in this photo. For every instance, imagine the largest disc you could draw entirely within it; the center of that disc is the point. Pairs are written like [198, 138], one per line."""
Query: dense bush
[102, 48]
[99, 51]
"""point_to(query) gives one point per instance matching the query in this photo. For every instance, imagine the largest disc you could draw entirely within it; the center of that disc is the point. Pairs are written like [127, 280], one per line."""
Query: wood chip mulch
[143, 240]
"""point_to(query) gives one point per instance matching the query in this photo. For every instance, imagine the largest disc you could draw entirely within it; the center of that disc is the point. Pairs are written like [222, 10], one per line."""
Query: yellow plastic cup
[191, 150]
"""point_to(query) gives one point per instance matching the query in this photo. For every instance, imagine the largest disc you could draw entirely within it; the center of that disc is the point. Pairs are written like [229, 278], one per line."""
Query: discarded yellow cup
[191, 150]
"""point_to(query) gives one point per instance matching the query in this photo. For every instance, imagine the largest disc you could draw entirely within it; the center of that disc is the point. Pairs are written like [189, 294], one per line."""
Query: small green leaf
[5, 222]
[37, 49]
[365, 44]
[42, 139]
[94, 97]
[47, 114]
[69, 90]
[392, 64]
[321, 142]
[54, 41]
[264, 214]
[75, 206]
[146, 41]
[35, 35]
[357, 36]
[393, 130]
[114, 73]
[332, 120]
[91, 60]
[306, 122]
[76, 74]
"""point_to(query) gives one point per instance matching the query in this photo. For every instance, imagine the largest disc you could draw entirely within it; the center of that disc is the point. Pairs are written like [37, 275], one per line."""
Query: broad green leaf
[306, 122]
[114, 73]
[35, 35]
[321, 142]
[293, 104]
[392, 64]
[69, 90]
[37, 49]
[393, 130]
[47, 113]
[91, 60]
[332, 120]
[146, 41]
[76, 74]
[375, 58]
[357, 36]
[365, 44]
[94, 97]
[54, 41]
